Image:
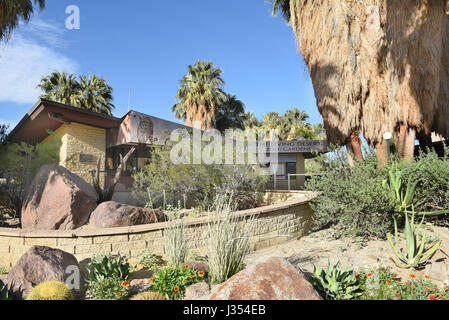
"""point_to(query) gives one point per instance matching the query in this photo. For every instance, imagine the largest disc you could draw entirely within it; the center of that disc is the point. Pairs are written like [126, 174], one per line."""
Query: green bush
[163, 183]
[3, 291]
[355, 200]
[382, 284]
[108, 277]
[151, 262]
[432, 175]
[111, 288]
[173, 281]
[51, 290]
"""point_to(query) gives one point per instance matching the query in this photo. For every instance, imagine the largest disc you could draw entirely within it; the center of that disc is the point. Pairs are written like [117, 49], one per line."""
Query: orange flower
[201, 274]
[412, 286]
[191, 276]
[398, 296]
[187, 266]
[152, 280]
[426, 276]
[118, 294]
[176, 289]
[369, 275]
[443, 298]
[413, 276]
[395, 276]
[427, 289]
[125, 284]
[388, 282]
[432, 297]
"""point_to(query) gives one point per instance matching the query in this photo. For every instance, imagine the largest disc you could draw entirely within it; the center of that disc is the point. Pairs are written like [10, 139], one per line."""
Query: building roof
[50, 115]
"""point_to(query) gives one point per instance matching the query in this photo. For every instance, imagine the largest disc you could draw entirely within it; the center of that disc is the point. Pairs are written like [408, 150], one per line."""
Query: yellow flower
[176, 289]
[201, 274]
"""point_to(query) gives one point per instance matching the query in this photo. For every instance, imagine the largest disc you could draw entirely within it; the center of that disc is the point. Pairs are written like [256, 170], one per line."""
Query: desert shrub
[228, 239]
[20, 163]
[355, 200]
[175, 238]
[51, 290]
[112, 288]
[432, 175]
[108, 277]
[150, 295]
[152, 262]
[164, 183]
[173, 281]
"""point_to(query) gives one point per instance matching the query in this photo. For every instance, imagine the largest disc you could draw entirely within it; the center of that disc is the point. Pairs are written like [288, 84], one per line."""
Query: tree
[229, 114]
[200, 94]
[3, 132]
[61, 87]
[20, 163]
[249, 120]
[95, 94]
[369, 76]
[88, 93]
[14, 11]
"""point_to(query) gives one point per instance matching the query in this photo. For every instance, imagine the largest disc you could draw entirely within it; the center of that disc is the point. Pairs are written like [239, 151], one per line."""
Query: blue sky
[147, 45]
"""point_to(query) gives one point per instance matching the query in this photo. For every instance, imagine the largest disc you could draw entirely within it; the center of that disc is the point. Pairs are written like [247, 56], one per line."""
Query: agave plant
[416, 255]
[405, 197]
[336, 283]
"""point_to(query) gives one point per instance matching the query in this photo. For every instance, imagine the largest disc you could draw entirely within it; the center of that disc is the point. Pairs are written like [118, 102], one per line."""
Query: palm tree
[61, 87]
[229, 114]
[13, 11]
[89, 93]
[95, 95]
[369, 76]
[249, 120]
[200, 94]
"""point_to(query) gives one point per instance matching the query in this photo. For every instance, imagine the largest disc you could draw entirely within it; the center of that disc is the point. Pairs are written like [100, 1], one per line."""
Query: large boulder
[57, 200]
[113, 214]
[272, 279]
[41, 264]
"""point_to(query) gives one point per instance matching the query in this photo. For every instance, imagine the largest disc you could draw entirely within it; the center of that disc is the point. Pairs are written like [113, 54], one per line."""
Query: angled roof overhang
[49, 115]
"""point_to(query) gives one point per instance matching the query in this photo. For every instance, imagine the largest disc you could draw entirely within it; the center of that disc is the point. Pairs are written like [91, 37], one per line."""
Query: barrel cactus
[52, 290]
[149, 296]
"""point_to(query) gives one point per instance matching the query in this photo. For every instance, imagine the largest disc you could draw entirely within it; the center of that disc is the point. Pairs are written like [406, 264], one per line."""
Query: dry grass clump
[175, 239]
[228, 240]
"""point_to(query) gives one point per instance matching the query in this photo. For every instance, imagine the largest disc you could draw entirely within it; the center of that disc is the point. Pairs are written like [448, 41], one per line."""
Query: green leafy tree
[88, 92]
[200, 94]
[20, 163]
[249, 120]
[12, 12]
[229, 114]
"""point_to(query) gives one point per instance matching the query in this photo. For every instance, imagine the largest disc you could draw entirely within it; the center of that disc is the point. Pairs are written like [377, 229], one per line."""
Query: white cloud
[31, 54]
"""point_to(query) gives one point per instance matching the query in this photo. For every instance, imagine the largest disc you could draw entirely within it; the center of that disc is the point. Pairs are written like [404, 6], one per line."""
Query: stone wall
[275, 224]
[78, 139]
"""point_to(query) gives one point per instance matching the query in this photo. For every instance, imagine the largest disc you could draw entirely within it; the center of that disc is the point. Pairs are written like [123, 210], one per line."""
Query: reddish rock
[40, 264]
[197, 291]
[112, 214]
[57, 200]
[273, 279]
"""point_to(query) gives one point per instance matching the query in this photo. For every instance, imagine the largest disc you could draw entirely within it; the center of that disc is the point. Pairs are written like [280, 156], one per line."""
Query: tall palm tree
[95, 95]
[368, 74]
[89, 93]
[229, 114]
[61, 87]
[250, 121]
[200, 94]
[13, 11]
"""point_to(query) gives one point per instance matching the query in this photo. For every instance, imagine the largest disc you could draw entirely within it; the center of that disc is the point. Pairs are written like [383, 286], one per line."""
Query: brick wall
[80, 139]
[275, 224]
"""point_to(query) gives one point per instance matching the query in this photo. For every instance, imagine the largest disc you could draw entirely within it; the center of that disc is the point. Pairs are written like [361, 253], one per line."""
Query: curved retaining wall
[275, 224]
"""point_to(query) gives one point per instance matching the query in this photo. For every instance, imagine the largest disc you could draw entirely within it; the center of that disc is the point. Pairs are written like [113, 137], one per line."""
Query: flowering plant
[112, 288]
[173, 281]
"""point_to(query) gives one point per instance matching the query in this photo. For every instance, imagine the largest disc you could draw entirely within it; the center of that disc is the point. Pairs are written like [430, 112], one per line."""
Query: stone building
[88, 137]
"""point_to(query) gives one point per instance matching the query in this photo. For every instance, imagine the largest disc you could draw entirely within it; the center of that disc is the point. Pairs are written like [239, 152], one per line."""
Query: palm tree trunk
[354, 148]
[406, 142]
[382, 153]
